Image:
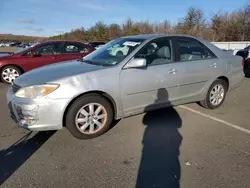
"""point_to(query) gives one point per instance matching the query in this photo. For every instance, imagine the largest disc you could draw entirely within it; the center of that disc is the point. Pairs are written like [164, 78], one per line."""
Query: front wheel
[216, 94]
[89, 116]
[9, 74]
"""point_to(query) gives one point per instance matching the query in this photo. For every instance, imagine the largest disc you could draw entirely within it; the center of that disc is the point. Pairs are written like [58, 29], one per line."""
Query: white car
[118, 50]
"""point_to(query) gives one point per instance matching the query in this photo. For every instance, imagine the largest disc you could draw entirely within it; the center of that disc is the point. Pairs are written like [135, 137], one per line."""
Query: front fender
[75, 89]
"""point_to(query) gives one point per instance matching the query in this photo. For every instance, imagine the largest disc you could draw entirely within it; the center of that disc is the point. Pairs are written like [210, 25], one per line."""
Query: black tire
[9, 67]
[119, 54]
[206, 102]
[77, 105]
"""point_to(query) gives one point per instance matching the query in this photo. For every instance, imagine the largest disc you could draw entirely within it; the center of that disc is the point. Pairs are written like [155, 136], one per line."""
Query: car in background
[157, 71]
[96, 45]
[247, 48]
[40, 54]
[7, 44]
[244, 53]
[119, 50]
[15, 44]
[247, 67]
[2, 45]
[25, 45]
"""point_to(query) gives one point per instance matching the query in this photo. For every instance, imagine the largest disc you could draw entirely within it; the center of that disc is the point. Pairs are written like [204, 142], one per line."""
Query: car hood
[61, 73]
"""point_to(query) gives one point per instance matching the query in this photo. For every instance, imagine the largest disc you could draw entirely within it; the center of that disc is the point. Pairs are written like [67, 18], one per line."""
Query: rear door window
[190, 50]
[48, 49]
[75, 48]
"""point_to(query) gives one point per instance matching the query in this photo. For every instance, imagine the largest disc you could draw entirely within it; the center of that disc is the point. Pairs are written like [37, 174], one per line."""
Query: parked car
[244, 53]
[15, 44]
[247, 67]
[40, 54]
[25, 45]
[247, 48]
[7, 44]
[96, 45]
[158, 71]
[119, 50]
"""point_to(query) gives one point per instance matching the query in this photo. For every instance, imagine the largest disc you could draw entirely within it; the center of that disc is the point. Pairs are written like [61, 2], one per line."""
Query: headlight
[36, 91]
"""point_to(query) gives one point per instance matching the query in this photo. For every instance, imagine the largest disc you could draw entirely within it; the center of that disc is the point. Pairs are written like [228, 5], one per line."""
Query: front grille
[15, 88]
[12, 114]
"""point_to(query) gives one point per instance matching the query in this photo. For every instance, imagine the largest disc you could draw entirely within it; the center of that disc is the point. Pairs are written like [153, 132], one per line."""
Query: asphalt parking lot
[185, 146]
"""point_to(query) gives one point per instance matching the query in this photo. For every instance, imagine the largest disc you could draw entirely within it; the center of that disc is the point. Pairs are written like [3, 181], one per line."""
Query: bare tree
[193, 23]
[223, 26]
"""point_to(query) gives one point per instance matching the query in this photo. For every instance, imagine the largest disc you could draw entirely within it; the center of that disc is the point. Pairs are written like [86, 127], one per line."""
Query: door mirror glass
[136, 63]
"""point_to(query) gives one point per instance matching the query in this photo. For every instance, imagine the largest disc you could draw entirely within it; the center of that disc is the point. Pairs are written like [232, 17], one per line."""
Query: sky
[53, 17]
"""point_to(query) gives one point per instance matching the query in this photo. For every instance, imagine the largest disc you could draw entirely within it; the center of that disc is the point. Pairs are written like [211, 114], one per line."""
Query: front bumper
[36, 115]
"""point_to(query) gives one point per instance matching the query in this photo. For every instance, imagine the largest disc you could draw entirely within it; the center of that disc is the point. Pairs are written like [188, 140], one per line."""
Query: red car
[40, 54]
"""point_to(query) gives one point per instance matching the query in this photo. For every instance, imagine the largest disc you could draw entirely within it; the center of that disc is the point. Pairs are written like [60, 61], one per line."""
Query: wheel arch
[14, 65]
[101, 93]
[226, 80]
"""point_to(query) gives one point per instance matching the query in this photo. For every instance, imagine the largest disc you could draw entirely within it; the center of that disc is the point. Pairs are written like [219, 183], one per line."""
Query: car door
[42, 55]
[199, 66]
[157, 84]
[73, 51]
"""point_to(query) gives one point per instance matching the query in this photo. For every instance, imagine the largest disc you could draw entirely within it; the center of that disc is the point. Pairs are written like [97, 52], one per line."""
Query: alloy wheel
[91, 118]
[10, 74]
[217, 94]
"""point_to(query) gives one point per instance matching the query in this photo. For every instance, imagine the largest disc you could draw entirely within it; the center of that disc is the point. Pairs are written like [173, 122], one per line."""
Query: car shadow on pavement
[159, 165]
[13, 157]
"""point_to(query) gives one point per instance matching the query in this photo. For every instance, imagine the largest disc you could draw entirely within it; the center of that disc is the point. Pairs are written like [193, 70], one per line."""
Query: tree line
[222, 26]
[18, 38]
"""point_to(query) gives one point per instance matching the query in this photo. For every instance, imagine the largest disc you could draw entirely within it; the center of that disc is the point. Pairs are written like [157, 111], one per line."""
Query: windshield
[24, 49]
[113, 52]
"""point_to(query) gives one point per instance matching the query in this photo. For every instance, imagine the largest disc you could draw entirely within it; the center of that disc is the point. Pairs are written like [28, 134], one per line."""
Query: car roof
[50, 41]
[217, 51]
[153, 36]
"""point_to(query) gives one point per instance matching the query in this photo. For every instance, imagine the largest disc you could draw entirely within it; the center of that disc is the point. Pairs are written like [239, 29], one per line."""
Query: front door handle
[172, 71]
[214, 65]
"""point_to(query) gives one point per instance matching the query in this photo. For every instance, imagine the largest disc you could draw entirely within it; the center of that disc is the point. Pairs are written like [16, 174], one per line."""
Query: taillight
[243, 63]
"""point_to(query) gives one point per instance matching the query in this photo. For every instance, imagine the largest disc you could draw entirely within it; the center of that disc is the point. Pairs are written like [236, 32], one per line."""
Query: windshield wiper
[89, 62]
[85, 61]
[93, 63]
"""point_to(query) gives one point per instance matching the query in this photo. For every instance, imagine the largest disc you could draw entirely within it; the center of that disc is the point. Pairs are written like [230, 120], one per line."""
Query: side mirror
[136, 63]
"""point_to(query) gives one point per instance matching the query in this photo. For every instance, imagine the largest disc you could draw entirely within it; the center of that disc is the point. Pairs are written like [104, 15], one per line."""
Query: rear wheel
[216, 94]
[9, 74]
[89, 116]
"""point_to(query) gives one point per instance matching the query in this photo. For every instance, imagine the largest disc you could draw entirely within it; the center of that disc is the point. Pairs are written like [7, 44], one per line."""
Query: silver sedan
[156, 71]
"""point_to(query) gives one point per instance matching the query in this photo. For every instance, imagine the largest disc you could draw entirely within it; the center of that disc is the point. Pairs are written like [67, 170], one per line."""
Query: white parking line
[217, 119]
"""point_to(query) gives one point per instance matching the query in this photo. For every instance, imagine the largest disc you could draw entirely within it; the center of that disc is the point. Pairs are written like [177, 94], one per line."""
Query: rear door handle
[172, 71]
[213, 65]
